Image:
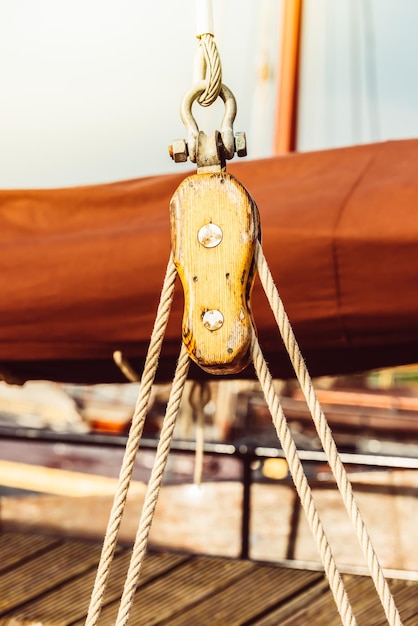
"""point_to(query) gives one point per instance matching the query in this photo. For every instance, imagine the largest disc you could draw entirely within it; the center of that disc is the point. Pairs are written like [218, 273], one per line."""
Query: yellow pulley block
[214, 230]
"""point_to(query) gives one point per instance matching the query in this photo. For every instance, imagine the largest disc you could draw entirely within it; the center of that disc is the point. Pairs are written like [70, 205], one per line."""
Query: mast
[285, 136]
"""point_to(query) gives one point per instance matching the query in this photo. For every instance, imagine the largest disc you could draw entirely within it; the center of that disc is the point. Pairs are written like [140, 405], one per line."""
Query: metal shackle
[190, 124]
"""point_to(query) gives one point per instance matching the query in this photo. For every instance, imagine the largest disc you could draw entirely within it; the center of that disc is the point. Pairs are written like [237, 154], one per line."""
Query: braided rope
[153, 489]
[211, 70]
[284, 435]
[327, 440]
[134, 439]
[302, 485]
[125, 367]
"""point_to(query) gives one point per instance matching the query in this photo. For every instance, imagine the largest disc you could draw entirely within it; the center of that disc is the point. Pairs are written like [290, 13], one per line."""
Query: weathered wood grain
[214, 228]
[53, 588]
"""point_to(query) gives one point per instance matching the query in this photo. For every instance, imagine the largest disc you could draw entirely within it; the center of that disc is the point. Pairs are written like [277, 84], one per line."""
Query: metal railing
[246, 452]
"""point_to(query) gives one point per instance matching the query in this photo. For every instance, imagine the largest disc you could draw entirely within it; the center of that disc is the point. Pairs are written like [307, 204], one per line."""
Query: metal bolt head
[210, 235]
[178, 151]
[213, 319]
[241, 144]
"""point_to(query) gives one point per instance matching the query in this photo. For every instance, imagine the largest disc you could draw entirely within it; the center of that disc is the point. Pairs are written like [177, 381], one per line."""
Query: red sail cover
[82, 268]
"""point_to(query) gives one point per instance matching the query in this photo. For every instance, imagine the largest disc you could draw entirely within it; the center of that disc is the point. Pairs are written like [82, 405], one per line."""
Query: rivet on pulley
[213, 320]
[210, 235]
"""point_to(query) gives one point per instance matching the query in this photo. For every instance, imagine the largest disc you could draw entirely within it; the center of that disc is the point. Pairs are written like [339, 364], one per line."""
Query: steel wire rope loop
[134, 438]
[210, 69]
[327, 440]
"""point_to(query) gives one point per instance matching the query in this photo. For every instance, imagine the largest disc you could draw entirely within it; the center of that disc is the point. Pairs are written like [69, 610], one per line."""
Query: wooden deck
[47, 580]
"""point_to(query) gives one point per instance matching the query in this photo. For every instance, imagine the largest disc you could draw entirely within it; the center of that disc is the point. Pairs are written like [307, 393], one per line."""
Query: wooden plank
[317, 610]
[365, 603]
[406, 593]
[49, 581]
[186, 586]
[42, 573]
[367, 606]
[69, 604]
[249, 596]
[16, 547]
[57, 481]
[14, 622]
[292, 605]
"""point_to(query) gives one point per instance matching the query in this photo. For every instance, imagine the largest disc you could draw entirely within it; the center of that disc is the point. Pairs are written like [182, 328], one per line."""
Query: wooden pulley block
[214, 230]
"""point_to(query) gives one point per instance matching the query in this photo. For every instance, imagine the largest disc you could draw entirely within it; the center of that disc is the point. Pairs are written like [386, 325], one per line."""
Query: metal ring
[227, 129]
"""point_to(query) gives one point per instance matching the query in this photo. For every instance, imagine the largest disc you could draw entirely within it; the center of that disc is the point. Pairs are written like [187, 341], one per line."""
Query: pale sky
[359, 72]
[91, 88]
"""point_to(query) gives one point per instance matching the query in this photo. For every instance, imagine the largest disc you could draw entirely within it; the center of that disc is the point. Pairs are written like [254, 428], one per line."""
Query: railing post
[246, 456]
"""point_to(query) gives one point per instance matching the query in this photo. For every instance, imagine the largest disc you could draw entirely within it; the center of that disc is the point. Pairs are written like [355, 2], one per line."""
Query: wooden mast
[285, 136]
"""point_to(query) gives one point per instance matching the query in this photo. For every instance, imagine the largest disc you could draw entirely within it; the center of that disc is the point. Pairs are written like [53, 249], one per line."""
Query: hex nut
[178, 151]
[241, 144]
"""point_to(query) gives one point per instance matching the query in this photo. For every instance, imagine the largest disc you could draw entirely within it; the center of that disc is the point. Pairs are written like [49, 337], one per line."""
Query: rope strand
[289, 447]
[132, 444]
[302, 486]
[326, 438]
[153, 489]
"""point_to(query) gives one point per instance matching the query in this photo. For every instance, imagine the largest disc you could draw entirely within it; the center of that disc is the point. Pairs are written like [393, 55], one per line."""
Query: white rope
[326, 438]
[153, 488]
[134, 438]
[125, 367]
[284, 435]
[302, 485]
[204, 18]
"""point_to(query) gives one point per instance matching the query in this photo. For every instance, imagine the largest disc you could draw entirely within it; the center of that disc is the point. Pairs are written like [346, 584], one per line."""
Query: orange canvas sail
[82, 268]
